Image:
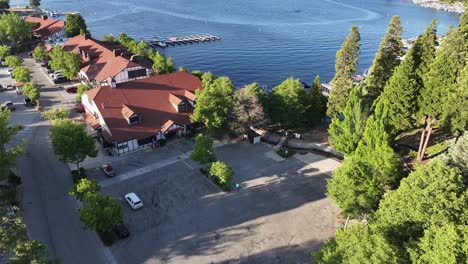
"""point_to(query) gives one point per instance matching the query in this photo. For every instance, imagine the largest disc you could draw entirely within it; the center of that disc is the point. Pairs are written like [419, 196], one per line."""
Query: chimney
[87, 36]
[44, 17]
[116, 52]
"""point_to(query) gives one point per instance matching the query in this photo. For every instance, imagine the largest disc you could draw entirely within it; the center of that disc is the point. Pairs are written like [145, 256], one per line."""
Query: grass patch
[285, 152]
[437, 148]
[107, 238]
[77, 175]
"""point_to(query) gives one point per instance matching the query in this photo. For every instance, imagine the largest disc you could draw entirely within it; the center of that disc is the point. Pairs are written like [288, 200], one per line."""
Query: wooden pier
[173, 41]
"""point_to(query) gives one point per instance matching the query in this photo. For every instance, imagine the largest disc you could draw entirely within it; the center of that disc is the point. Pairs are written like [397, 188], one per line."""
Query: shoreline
[456, 7]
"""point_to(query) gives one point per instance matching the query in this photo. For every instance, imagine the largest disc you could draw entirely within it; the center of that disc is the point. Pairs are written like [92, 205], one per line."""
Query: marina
[174, 41]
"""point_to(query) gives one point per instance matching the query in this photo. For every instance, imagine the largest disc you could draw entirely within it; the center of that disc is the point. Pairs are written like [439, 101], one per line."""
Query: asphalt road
[48, 210]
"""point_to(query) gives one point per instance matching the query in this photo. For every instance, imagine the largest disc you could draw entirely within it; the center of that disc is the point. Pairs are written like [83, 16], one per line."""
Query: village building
[133, 115]
[104, 61]
[45, 28]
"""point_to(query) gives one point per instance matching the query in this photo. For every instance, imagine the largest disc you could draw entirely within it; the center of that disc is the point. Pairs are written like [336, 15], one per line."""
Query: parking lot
[279, 215]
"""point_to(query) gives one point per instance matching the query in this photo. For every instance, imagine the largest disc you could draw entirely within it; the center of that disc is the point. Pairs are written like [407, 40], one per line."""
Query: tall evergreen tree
[344, 135]
[317, 103]
[386, 59]
[424, 49]
[345, 70]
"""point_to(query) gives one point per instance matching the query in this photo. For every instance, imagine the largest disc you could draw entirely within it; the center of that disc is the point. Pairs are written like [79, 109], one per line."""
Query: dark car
[8, 105]
[121, 231]
[29, 102]
[72, 90]
[60, 80]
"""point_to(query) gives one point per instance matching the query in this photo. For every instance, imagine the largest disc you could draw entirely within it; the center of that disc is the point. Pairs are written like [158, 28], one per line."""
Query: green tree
[71, 142]
[34, 3]
[12, 232]
[182, 69]
[203, 150]
[197, 73]
[75, 25]
[4, 51]
[161, 64]
[317, 103]
[457, 154]
[13, 29]
[455, 115]
[30, 252]
[287, 104]
[66, 61]
[7, 156]
[31, 90]
[100, 212]
[22, 74]
[247, 111]
[386, 59]
[207, 79]
[83, 188]
[222, 171]
[82, 88]
[345, 70]
[39, 53]
[344, 135]
[13, 61]
[355, 245]
[255, 89]
[425, 48]
[354, 189]
[4, 4]
[214, 103]
[110, 38]
[56, 114]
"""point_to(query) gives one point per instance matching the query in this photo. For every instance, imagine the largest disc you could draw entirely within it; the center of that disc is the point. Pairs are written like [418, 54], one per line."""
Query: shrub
[285, 152]
[222, 171]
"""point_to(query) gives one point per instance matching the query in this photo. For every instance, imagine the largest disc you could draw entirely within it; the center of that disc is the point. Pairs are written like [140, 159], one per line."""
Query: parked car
[8, 105]
[49, 71]
[19, 89]
[10, 87]
[55, 74]
[121, 231]
[108, 170]
[60, 80]
[134, 201]
[29, 102]
[30, 54]
[72, 90]
[10, 72]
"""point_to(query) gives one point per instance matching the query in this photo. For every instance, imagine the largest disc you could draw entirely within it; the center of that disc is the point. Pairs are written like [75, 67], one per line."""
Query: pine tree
[386, 59]
[424, 50]
[345, 70]
[317, 102]
[344, 135]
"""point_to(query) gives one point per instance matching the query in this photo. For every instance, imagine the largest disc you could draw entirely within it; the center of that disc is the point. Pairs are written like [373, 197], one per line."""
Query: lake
[263, 41]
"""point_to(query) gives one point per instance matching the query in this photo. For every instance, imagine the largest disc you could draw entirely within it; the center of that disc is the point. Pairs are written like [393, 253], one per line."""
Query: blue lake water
[264, 41]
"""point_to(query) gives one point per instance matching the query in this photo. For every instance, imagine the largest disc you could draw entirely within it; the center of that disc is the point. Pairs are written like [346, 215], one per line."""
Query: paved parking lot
[278, 216]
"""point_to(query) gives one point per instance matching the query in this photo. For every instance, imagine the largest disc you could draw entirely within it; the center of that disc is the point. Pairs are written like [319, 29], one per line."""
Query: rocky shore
[456, 7]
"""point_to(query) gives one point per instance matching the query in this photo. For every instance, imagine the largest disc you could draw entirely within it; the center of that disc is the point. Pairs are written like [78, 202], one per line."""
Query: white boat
[162, 43]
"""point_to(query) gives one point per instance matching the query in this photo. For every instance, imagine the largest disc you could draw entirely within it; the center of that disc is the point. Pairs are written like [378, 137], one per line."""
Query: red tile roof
[46, 27]
[149, 98]
[100, 60]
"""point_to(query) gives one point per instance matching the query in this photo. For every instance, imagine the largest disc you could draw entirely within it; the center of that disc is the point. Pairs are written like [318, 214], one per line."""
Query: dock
[174, 41]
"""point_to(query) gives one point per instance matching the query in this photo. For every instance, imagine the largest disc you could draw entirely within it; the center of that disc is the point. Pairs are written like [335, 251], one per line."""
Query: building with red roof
[135, 114]
[46, 28]
[104, 61]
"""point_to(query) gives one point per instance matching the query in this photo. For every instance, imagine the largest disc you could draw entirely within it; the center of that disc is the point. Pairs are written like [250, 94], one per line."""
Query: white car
[134, 201]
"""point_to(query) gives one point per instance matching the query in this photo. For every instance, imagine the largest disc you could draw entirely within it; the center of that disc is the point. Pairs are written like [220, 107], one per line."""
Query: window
[136, 73]
[182, 107]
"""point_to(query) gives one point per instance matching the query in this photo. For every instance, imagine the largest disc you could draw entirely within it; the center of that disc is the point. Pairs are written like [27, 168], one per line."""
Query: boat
[53, 13]
[162, 44]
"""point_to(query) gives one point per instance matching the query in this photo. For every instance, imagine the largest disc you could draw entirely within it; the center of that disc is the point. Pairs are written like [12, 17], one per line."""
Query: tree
[13, 29]
[30, 252]
[100, 212]
[247, 111]
[161, 64]
[457, 154]
[455, 115]
[39, 53]
[22, 74]
[83, 188]
[355, 245]
[13, 61]
[71, 142]
[345, 70]
[354, 188]
[344, 135]
[207, 79]
[440, 84]
[82, 88]
[4, 4]
[317, 102]
[7, 156]
[182, 69]
[4, 51]
[255, 89]
[12, 232]
[75, 25]
[386, 59]
[67, 62]
[31, 90]
[110, 38]
[34, 3]
[203, 150]
[222, 171]
[287, 104]
[214, 103]
[197, 73]
[56, 114]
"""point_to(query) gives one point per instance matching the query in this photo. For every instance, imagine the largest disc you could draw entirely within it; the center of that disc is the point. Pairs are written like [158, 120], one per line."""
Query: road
[48, 210]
